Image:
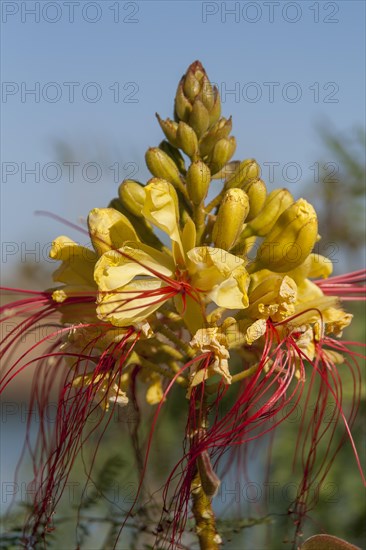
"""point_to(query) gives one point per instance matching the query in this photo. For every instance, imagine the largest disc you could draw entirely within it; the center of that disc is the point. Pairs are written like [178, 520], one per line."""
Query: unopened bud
[193, 88]
[230, 219]
[132, 195]
[187, 139]
[277, 201]
[183, 107]
[191, 84]
[169, 128]
[215, 112]
[257, 192]
[199, 119]
[247, 171]
[198, 180]
[162, 166]
[219, 131]
[222, 153]
[174, 154]
[291, 239]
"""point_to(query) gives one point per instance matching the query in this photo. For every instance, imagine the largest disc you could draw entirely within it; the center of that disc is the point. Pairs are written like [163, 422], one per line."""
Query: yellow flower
[211, 340]
[136, 280]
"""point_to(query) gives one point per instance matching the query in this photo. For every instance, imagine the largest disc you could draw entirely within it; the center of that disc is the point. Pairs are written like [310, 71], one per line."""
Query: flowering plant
[190, 310]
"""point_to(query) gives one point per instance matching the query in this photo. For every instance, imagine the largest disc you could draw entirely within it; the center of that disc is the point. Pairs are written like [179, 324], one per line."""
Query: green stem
[168, 333]
[215, 202]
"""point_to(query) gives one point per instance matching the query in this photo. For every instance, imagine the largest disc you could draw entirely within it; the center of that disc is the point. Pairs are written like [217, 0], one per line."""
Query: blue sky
[309, 55]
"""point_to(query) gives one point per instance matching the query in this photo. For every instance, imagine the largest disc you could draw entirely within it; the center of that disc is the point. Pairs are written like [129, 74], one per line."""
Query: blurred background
[81, 82]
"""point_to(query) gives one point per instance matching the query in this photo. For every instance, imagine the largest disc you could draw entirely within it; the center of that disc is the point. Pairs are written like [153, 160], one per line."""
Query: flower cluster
[179, 284]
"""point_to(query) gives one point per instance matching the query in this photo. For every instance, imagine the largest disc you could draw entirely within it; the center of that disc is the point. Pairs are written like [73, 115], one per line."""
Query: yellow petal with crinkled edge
[255, 331]
[336, 320]
[109, 229]
[77, 262]
[131, 304]
[211, 340]
[219, 274]
[274, 297]
[117, 268]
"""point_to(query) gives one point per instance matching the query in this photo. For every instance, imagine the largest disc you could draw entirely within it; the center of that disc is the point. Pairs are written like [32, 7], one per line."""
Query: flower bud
[277, 201]
[187, 139]
[191, 84]
[169, 128]
[183, 107]
[247, 171]
[132, 195]
[174, 154]
[257, 192]
[199, 118]
[198, 180]
[230, 218]
[162, 166]
[291, 239]
[219, 131]
[193, 88]
[222, 153]
[215, 112]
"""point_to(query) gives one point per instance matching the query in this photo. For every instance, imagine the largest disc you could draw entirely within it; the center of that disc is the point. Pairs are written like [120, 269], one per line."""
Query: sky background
[124, 60]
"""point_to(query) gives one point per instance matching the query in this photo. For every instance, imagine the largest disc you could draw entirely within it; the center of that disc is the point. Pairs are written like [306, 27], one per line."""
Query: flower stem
[204, 516]
[203, 487]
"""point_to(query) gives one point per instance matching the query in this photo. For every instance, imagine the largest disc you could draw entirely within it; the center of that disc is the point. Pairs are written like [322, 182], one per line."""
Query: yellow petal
[77, 262]
[132, 304]
[221, 275]
[109, 229]
[161, 208]
[117, 268]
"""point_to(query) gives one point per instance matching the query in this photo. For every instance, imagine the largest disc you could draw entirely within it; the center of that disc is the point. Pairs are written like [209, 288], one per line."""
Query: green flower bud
[132, 195]
[230, 218]
[291, 240]
[215, 112]
[162, 166]
[195, 87]
[187, 139]
[174, 154]
[207, 94]
[183, 107]
[169, 128]
[277, 201]
[191, 82]
[247, 171]
[199, 118]
[219, 131]
[198, 180]
[222, 153]
[257, 192]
